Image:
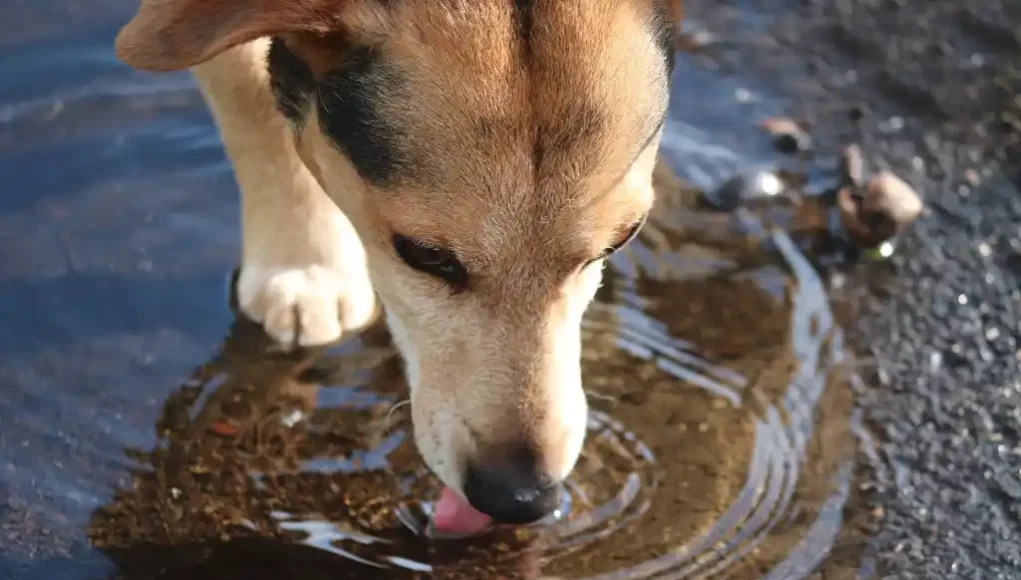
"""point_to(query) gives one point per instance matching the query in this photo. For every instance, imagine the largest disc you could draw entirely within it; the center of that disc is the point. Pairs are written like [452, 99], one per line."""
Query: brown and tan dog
[471, 161]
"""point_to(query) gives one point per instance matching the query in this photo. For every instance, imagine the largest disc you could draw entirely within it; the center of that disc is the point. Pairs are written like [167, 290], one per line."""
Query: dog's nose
[515, 492]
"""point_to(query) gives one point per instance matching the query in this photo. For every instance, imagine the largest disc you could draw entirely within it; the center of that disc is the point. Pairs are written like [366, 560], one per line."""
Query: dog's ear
[168, 35]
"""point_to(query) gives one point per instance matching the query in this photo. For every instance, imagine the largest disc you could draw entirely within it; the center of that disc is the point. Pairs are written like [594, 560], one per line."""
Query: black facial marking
[523, 16]
[292, 82]
[349, 113]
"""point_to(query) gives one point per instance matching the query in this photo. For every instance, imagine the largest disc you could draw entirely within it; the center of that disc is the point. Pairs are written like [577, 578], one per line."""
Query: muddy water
[145, 434]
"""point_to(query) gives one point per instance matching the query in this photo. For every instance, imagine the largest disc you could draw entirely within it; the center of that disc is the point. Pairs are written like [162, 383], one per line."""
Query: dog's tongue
[453, 515]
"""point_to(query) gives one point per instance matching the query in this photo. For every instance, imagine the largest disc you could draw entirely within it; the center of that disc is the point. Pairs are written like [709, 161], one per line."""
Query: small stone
[892, 197]
[887, 205]
[789, 135]
[972, 177]
[881, 212]
[852, 166]
[743, 188]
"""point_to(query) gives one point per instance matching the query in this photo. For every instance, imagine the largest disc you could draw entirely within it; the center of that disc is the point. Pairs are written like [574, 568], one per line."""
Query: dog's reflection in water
[287, 465]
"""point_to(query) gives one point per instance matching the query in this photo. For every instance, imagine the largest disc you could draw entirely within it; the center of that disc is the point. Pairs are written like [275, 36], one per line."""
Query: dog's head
[491, 155]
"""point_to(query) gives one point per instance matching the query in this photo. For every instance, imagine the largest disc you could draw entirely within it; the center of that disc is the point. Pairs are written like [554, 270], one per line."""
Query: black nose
[512, 494]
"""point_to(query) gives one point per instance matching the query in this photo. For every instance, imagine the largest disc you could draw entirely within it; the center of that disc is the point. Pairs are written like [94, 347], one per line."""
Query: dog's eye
[631, 234]
[431, 260]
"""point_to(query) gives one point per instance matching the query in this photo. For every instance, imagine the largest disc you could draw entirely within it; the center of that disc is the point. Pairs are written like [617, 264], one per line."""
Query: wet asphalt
[937, 88]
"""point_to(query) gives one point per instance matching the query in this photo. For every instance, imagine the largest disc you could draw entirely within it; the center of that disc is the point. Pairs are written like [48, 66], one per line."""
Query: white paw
[304, 306]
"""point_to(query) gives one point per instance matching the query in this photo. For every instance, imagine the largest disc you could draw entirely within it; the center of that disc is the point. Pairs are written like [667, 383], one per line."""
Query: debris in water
[744, 188]
[790, 135]
[852, 167]
[882, 211]
[223, 429]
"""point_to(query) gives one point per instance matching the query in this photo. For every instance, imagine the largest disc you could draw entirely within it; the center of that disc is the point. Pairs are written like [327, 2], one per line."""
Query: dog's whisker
[390, 413]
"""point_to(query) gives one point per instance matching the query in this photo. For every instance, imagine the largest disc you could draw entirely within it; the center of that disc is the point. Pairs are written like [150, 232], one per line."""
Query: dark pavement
[940, 85]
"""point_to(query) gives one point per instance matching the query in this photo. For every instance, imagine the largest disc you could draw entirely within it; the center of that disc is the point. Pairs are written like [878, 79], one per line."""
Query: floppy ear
[168, 35]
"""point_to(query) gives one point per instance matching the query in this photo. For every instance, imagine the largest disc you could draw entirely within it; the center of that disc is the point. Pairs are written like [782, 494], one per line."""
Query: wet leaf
[223, 429]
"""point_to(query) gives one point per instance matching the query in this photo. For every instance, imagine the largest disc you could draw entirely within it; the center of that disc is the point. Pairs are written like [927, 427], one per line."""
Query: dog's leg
[303, 272]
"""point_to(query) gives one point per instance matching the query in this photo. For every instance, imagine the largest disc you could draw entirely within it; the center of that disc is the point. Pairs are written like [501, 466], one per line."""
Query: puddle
[720, 441]
[137, 442]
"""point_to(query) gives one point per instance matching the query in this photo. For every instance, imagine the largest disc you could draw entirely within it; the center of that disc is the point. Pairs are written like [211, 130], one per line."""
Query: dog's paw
[304, 306]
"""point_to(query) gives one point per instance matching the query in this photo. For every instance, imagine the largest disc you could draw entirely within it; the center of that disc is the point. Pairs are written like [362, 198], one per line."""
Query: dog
[466, 165]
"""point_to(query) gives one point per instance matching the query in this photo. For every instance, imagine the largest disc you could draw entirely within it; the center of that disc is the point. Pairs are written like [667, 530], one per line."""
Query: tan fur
[498, 363]
[303, 266]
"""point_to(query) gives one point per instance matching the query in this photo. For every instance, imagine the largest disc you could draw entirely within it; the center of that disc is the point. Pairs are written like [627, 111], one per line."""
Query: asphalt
[931, 90]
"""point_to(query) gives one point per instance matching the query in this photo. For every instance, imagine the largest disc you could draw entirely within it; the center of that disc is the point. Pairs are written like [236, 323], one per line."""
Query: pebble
[852, 166]
[887, 205]
[789, 135]
[892, 197]
[743, 188]
[972, 177]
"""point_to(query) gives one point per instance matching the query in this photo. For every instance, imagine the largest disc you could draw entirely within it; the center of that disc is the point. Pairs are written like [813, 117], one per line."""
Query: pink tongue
[453, 515]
